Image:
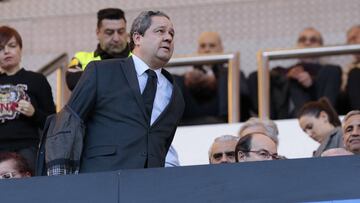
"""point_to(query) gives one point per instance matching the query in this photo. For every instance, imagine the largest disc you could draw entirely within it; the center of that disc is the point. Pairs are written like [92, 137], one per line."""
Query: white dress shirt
[163, 90]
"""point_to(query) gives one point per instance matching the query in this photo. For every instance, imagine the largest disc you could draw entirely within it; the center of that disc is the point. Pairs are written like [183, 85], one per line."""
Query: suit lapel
[131, 76]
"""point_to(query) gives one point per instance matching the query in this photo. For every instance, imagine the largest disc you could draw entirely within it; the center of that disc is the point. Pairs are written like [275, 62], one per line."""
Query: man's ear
[97, 33]
[241, 156]
[136, 38]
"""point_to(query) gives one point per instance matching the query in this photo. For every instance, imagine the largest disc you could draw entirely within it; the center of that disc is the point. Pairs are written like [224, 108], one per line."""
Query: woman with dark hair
[320, 121]
[25, 99]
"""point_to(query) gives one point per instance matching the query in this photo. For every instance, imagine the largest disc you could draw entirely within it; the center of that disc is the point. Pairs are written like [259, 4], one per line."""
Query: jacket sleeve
[83, 97]
[45, 103]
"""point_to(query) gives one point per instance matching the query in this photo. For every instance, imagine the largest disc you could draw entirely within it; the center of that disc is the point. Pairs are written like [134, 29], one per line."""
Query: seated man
[223, 149]
[255, 125]
[308, 80]
[351, 77]
[205, 87]
[351, 129]
[255, 147]
[12, 165]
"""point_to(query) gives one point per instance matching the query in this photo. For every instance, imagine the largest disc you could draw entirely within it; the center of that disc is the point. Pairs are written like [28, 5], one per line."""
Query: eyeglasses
[265, 154]
[8, 175]
[312, 39]
[218, 156]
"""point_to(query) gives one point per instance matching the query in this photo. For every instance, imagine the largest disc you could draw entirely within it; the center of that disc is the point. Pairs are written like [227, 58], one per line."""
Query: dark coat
[118, 132]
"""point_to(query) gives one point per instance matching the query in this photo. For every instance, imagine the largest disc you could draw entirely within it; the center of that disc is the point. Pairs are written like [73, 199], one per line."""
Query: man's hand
[298, 73]
[199, 79]
[26, 108]
[305, 79]
[294, 72]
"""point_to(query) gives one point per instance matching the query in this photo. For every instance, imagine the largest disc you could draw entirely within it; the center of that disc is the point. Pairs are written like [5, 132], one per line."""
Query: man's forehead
[311, 32]
[161, 21]
[209, 38]
[224, 145]
[355, 119]
[260, 141]
[113, 24]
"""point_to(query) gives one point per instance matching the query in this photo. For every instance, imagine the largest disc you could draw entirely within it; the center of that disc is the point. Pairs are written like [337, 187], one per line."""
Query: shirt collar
[141, 66]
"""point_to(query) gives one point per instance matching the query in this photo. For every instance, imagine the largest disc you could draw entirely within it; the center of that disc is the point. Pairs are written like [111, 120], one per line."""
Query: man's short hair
[111, 14]
[21, 165]
[142, 23]
[271, 129]
[223, 138]
[351, 113]
[243, 145]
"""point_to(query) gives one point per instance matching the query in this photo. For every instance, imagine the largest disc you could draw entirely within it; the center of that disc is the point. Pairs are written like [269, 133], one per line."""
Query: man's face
[352, 134]
[309, 38]
[223, 152]
[10, 54]
[112, 36]
[209, 43]
[8, 170]
[262, 148]
[156, 47]
[353, 37]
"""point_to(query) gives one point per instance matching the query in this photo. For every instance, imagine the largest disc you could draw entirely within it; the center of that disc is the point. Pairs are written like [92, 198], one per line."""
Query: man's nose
[224, 159]
[116, 37]
[168, 37]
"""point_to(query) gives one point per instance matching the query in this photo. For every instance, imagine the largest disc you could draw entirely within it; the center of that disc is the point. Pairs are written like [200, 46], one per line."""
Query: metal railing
[264, 58]
[59, 65]
[233, 76]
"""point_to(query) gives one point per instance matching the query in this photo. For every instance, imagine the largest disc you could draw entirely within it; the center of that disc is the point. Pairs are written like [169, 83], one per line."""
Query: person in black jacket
[112, 36]
[307, 80]
[205, 87]
[25, 99]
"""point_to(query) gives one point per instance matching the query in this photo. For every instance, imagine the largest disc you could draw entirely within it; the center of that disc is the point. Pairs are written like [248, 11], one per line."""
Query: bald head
[209, 43]
[309, 37]
[336, 152]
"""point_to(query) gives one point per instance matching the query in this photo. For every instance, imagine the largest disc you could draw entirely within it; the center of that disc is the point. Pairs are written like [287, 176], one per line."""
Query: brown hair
[21, 164]
[314, 108]
[6, 33]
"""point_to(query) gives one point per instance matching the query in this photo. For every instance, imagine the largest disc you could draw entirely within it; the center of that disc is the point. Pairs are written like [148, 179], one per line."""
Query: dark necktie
[149, 91]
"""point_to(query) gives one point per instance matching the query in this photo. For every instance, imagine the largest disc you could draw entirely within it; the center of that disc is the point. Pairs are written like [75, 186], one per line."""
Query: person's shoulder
[113, 62]
[81, 54]
[30, 73]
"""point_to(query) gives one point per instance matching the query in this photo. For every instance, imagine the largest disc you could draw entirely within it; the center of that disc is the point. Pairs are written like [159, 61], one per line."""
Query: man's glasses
[218, 156]
[8, 175]
[312, 39]
[265, 154]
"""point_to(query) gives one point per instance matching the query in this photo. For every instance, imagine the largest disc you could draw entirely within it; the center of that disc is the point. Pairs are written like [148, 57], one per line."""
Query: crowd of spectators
[310, 90]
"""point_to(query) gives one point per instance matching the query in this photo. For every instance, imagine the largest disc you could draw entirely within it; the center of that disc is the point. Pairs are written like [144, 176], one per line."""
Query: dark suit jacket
[118, 132]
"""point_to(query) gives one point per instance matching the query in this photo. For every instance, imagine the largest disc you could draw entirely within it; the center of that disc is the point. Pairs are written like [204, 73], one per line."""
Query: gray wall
[52, 26]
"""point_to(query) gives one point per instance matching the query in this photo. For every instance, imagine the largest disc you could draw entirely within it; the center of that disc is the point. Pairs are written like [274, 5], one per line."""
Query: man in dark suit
[130, 107]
